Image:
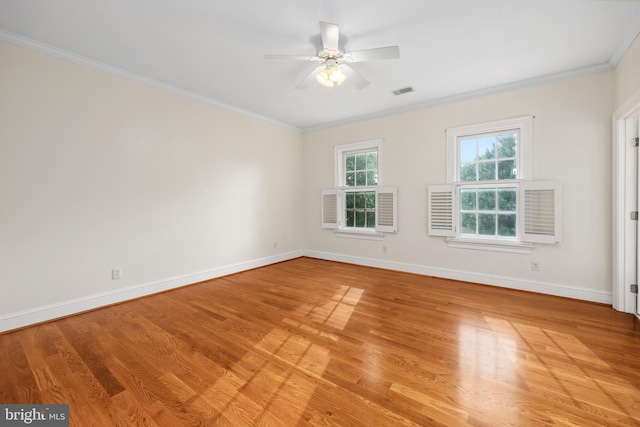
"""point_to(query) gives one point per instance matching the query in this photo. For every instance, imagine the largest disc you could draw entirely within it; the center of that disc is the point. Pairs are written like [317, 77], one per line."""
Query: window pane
[351, 179]
[507, 169]
[487, 224]
[468, 200]
[507, 225]
[370, 197]
[350, 200]
[351, 162]
[361, 169]
[507, 146]
[350, 218]
[507, 199]
[372, 178]
[486, 171]
[468, 172]
[487, 199]
[371, 219]
[468, 150]
[360, 209]
[372, 160]
[468, 223]
[487, 148]
[488, 211]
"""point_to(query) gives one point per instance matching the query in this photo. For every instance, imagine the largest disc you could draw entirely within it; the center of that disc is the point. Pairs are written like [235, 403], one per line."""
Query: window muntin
[360, 209]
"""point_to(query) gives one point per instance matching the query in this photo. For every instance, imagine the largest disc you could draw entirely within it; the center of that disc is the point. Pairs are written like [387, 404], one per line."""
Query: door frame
[622, 297]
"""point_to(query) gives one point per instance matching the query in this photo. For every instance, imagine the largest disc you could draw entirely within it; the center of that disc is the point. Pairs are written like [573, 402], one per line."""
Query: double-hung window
[359, 205]
[490, 200]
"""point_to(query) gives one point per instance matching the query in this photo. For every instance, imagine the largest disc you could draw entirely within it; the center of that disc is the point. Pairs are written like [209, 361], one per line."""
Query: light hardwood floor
[311, 342]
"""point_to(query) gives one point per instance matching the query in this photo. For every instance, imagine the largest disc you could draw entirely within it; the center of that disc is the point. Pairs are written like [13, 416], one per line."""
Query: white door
[636, 134]
[631, 231]
[633, 131]
[626, 249]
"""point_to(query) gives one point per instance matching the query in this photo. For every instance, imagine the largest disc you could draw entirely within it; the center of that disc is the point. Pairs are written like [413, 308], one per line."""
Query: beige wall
[99, 172]
[627, 76]
[572, 139]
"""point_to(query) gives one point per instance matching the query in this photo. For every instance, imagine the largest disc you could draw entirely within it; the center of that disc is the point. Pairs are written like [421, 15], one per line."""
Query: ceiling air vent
[403, 90]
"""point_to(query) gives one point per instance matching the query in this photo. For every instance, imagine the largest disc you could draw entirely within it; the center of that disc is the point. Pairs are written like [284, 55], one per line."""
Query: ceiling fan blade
[353, 77]
[311, 77]
[293, 57]
[330, 34]
[376, 54]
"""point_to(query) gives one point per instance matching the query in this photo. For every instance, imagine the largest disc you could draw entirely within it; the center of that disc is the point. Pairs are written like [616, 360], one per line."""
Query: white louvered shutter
[330, 208]
[387, 209]
[541, 212]
[440, 210]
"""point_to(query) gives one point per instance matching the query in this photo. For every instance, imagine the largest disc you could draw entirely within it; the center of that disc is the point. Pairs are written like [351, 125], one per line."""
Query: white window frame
[524, 125]
[333, 210]
[340, 152]
[518, 244]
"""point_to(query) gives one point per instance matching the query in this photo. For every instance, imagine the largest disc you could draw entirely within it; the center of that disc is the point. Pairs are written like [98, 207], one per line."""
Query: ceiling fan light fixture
[331, 76]
[329, 72]
[336, 76]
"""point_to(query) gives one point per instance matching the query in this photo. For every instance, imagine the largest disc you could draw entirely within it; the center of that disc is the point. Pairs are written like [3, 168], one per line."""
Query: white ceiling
[449, 49]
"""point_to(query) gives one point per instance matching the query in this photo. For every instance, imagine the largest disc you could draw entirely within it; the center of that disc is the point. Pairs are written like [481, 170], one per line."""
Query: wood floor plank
[320, 343]
[133, 412]
[18, 382]
[92, 352]
[89, 405]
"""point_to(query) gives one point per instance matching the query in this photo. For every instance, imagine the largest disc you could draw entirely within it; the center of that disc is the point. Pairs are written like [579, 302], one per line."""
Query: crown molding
[91, 63]
[600, 68]
[626, 43]
[101, 66]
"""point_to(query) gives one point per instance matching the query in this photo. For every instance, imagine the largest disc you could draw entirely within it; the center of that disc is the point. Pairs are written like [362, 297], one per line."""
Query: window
[485, 208]
[359, 205]
[358, 180]
[489, 200]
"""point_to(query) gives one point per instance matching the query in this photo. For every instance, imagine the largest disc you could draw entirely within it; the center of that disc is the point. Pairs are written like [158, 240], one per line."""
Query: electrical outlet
[116, 274]
[384, 249]
[535, 266]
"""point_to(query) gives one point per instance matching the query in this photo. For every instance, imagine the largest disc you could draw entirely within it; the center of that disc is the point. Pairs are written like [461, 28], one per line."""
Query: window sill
[359, 234]
[490, 245]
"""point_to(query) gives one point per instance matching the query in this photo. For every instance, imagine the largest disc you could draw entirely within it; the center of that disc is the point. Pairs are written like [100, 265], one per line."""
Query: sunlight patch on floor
[284, 383]
[335, 312]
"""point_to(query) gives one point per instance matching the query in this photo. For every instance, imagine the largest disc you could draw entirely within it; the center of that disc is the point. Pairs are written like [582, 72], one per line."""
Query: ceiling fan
[334, 66]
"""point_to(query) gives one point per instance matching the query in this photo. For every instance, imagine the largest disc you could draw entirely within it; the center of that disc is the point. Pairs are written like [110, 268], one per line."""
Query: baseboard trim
[585, 294]
[67, 308]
